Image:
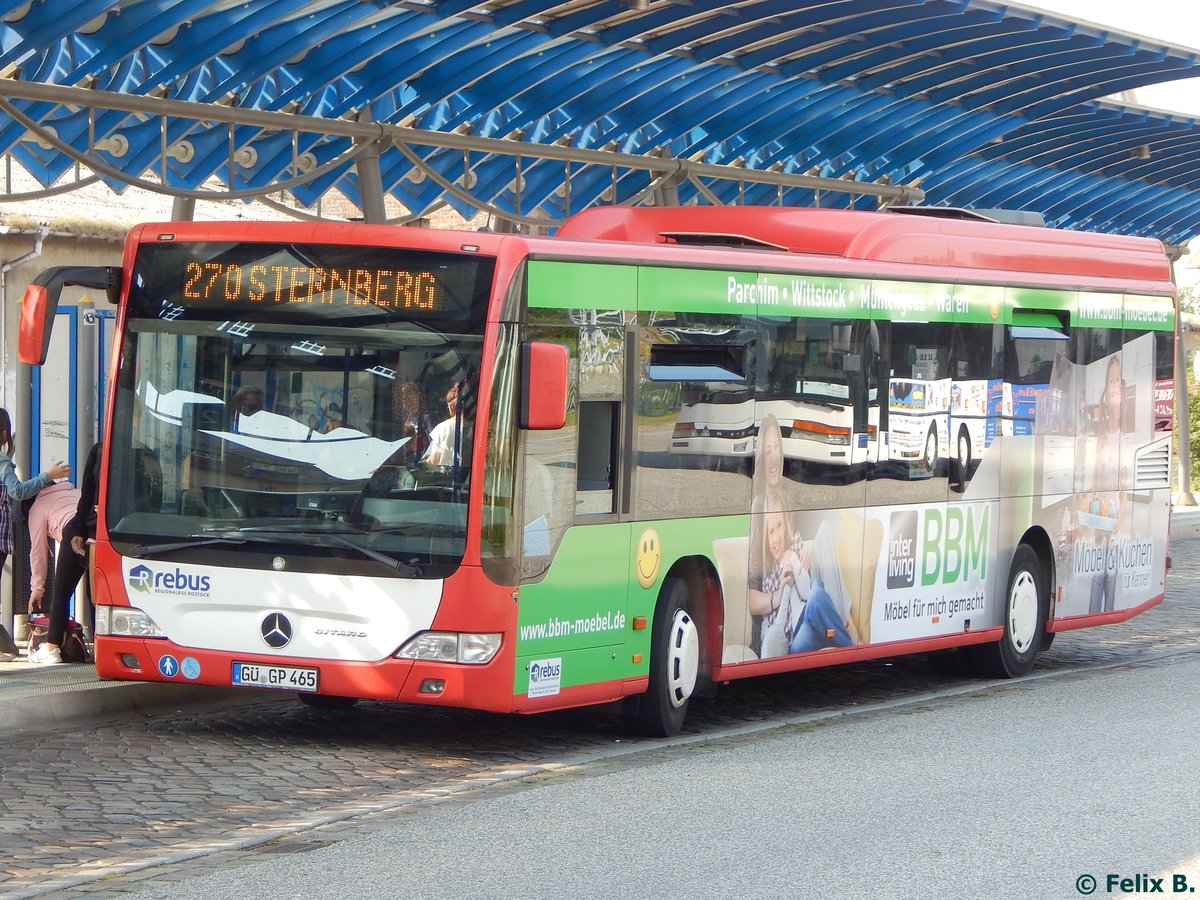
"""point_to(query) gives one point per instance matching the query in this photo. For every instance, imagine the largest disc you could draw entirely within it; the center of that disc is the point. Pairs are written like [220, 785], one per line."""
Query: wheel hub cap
[683, 661]
[1023, 611]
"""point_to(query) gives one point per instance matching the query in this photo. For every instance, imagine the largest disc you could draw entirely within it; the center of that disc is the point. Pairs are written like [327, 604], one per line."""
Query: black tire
[1026, 606]
[674, 664]
[327, 701]
[930, 456]
[961, 461]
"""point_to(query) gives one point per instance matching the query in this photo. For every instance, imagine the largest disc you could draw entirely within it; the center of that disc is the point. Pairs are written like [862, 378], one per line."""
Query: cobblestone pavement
[101, 812]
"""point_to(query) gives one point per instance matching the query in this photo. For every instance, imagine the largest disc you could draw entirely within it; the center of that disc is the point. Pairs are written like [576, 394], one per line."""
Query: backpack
[73, 649]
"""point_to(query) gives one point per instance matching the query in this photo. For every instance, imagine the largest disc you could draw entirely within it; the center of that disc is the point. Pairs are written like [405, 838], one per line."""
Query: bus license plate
[285, 678]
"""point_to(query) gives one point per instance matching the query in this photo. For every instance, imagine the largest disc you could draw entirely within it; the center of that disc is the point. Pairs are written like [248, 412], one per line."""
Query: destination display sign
[307, 282]
[212, 282]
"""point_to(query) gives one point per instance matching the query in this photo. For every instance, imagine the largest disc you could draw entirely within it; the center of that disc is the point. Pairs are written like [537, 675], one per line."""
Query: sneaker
[7, 657]
[45, 655]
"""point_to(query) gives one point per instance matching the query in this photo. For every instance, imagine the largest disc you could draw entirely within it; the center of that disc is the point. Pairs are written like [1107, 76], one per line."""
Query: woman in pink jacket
[13, 489]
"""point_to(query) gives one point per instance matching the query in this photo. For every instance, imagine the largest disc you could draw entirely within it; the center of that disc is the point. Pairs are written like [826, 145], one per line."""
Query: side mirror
[543, 400]
[40, 304]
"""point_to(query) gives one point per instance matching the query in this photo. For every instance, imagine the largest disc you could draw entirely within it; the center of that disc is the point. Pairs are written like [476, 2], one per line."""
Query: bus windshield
[316, 398]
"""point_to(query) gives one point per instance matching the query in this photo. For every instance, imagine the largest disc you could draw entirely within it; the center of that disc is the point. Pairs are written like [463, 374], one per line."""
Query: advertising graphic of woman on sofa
[799, 612]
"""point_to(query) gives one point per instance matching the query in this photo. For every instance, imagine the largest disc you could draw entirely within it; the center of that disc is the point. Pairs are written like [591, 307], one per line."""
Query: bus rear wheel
[962, 460]
[1025, 610]
[674, 664]
[931, 449]
[964, 449]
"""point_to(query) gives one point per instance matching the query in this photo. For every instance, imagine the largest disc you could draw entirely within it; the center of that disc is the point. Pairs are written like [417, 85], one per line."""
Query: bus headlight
[124, 621]
[451, 647]
[478, 648]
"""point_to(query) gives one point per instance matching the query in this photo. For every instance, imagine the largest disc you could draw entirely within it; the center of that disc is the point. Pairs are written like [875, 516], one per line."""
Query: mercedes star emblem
[276, 630]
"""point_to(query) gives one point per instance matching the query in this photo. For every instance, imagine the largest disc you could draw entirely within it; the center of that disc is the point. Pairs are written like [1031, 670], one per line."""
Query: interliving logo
[902, 550]
[144, 580]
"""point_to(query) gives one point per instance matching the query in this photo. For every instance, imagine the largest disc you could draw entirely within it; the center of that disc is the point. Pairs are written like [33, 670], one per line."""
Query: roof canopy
[534, 109]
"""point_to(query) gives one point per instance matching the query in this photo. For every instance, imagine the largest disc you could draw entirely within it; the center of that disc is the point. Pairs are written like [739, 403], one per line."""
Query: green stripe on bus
[1139, 312]
[1149, 313]
[787, 295]
[563, 285]
[569, 285]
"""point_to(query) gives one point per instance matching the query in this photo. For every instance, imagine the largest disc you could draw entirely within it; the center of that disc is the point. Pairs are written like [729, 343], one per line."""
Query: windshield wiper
[382, 558]
[267, 533]
[205, 539]
[260, 535]
[418, 529]
[141, 550]
[303, 528]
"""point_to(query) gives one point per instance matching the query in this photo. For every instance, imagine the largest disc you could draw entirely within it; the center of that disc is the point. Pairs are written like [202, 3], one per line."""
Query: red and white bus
[458, 469]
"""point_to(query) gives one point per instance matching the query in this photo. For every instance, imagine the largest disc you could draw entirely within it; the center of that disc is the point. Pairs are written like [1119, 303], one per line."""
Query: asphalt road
[1016, 793]
[828, 781]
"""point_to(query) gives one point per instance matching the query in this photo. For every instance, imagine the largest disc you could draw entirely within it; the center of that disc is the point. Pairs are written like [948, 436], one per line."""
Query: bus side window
[596, 472]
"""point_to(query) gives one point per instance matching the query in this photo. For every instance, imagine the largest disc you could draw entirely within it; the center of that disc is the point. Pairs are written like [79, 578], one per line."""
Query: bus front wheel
[674, 664]
[1025, 610]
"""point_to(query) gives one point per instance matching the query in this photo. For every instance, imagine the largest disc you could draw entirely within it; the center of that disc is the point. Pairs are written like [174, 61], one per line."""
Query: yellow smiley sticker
[648, 558]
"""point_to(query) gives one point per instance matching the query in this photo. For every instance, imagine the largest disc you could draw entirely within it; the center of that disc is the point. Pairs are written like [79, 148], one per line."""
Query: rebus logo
[141, 579]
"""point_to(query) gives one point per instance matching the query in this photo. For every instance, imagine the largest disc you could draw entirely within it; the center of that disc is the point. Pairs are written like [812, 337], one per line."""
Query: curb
[48, 708]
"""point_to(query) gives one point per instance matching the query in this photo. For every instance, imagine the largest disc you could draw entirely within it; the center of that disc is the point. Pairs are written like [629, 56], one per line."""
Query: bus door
[572, 612]
[574, 541]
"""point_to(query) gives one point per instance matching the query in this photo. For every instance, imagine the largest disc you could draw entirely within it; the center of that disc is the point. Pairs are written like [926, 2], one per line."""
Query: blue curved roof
[980, 104]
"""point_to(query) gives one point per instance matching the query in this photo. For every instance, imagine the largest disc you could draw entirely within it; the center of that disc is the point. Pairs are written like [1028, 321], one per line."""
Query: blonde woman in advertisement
[799, 613]
[768, 478]
[1104, 501]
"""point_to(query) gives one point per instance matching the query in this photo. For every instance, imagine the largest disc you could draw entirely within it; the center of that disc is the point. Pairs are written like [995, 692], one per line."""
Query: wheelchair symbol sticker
[167, 666]
[190, 667]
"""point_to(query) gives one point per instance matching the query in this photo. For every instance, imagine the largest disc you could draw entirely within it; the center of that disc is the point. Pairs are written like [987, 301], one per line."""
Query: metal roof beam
[374, 131]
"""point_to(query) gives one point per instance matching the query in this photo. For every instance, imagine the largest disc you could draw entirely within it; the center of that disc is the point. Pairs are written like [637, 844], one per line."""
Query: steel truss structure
[534, 109]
